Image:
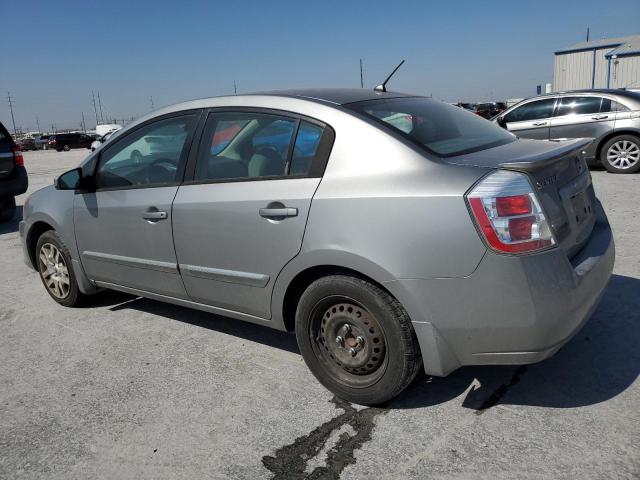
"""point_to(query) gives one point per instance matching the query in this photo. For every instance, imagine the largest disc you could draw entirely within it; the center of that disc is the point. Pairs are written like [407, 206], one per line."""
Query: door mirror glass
[69, 180]
[502, 122]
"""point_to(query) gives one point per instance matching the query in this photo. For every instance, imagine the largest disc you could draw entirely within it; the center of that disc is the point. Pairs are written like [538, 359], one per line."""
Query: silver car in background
[391, 232]
[610, 117]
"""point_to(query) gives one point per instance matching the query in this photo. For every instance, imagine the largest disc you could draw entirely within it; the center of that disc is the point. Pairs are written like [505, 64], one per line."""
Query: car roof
[595, 91]
[337, 96]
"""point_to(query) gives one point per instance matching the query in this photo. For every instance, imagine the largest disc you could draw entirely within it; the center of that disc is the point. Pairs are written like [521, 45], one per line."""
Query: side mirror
[502, 122]
[70, 180]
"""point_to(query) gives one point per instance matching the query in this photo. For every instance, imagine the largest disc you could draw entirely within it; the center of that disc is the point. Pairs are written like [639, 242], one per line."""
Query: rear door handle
[278, 212]
[600, 117]
[539, 124]
[154, 215]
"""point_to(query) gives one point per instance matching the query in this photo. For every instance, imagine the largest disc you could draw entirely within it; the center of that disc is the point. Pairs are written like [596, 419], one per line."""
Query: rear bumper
[16, 185]
[512, 309]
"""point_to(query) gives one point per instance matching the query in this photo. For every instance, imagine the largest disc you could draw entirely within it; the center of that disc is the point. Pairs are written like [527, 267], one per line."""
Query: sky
[54, 54]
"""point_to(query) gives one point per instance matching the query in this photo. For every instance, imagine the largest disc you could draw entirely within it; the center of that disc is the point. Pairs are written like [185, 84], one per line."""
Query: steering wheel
[161, 170]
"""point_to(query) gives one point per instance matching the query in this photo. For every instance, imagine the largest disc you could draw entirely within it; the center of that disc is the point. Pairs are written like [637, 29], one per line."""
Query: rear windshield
[442, 129]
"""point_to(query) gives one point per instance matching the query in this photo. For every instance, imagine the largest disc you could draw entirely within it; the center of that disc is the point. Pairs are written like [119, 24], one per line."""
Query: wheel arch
[35, 232]
[306, 277]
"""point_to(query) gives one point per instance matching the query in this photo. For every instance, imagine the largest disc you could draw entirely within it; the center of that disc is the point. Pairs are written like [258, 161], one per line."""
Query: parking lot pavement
[132, 388]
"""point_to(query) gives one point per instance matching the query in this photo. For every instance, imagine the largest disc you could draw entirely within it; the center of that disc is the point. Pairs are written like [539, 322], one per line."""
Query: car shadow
[12, 225]
[229, 326]
[599, 363]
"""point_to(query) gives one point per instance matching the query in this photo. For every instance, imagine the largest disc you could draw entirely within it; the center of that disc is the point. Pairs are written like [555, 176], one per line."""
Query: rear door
[532, 119]
[242, 216]
[7, 163]
[582, 117]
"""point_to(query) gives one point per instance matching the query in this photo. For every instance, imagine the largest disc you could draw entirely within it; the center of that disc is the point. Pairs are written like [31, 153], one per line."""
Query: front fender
[54, 208]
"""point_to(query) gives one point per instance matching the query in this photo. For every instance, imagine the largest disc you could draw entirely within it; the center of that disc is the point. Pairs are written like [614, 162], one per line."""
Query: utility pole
[235, 87]
[95, 110]
[361, 77]
[587, 34]
[53, 128]
[38, 124]
[13, 120]
[84, 125]
[100, 104]
[151, 100]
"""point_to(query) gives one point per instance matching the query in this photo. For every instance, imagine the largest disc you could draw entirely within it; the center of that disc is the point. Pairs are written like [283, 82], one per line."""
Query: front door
[243, 215]
[532, 119]
[123, 228]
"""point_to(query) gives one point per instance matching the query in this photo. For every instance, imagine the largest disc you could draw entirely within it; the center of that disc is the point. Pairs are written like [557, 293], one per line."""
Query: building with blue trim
[604, 63]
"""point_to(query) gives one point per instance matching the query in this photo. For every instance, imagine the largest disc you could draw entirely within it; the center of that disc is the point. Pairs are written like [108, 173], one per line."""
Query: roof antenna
[383, 86]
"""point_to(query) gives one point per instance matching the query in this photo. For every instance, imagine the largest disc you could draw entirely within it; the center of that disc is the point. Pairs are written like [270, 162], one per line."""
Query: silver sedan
[390, 232]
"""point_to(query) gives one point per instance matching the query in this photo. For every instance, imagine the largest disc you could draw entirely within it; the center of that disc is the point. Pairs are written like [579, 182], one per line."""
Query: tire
[52, 250]
[338, 313]
[621, 154]
[66, 148]
[7, 209]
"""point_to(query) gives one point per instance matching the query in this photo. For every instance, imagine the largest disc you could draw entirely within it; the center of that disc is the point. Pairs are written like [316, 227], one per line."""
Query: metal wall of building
[576, 70]
[625, 72]
[573, 71]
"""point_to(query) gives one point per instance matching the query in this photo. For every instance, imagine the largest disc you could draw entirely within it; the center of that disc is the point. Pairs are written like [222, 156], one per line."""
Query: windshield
[442, 129]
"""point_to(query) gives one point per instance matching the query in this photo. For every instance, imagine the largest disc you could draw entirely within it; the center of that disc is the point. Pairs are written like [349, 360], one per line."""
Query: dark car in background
[67, 141]
[610, 117]
[42, 142]
[490, 109]
[466, 106]
[13, 175]
[27, 144]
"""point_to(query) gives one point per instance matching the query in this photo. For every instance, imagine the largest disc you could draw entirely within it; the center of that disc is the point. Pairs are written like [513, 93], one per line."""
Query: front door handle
[600, 117]
[278, 212]
[539, 124]
[154, 215]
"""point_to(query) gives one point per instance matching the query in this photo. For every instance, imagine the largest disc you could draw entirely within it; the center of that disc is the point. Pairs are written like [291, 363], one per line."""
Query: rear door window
[305, 148]
[578, 106]
[245, 145]
[537, 110]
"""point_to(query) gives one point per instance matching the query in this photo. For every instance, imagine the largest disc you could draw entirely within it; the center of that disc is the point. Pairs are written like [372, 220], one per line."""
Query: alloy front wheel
[54, 271]
[53, 262]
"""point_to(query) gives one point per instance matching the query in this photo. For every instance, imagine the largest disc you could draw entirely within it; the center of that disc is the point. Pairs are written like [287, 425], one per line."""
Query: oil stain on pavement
[292, 461]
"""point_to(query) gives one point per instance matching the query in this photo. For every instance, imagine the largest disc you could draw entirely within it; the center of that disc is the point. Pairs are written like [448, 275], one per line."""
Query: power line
[13, 120]
[95, 110]
[100, 104]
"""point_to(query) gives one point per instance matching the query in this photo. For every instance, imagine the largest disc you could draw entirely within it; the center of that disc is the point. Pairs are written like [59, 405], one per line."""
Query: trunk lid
[7, 162]
[560, 178]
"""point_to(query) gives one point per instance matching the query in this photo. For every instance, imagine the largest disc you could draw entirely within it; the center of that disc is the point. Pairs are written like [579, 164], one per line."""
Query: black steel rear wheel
[356, 339]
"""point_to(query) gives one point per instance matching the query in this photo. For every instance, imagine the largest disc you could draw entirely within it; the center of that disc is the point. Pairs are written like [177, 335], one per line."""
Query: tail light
[17, 156]
[508, 213]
